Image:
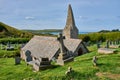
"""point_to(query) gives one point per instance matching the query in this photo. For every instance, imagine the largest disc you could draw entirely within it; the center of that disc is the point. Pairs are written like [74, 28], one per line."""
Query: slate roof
[43, 46]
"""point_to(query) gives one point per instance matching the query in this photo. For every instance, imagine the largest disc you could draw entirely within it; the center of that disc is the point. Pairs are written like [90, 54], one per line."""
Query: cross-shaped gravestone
[60, 39]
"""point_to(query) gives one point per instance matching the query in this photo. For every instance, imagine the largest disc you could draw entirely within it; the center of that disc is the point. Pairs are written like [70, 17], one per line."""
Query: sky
[89, 15]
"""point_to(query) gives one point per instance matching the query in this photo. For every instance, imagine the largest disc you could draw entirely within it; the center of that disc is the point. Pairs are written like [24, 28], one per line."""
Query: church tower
[70, 30]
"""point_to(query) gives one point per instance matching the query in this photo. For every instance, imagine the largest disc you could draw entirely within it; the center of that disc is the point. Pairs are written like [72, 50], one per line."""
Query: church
[51, 47]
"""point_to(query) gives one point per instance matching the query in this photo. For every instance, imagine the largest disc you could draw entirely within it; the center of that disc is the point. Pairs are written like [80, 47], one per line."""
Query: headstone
[9, 46]
[94, 60]
[69, 71]
[17, 60]
[110, 42]
[107, 44]
[36, 67]
[64, 55]
[113, 42]
[117, 42]
[105, 51]
[114, 46]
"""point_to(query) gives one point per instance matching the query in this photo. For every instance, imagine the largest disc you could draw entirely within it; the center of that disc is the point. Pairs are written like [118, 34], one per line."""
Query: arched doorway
[80, 51]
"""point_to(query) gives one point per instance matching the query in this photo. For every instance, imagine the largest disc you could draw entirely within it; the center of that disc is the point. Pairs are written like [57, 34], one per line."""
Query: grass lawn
[108, 69]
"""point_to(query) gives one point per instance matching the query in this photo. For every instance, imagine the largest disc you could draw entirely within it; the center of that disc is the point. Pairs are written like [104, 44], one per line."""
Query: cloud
[29, 18]
[83, 17]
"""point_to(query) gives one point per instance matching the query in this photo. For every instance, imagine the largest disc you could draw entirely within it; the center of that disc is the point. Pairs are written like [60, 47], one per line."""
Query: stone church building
[51, 47]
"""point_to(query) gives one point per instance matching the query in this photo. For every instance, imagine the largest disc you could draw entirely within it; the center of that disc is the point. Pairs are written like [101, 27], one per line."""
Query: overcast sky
[90, 15]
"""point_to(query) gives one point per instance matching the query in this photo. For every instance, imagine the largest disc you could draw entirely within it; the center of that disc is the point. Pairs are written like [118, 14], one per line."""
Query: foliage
[14, 40]
[93, 37]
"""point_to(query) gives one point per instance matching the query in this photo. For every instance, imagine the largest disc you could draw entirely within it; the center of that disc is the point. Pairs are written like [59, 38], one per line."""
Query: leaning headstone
[17, 60]
[36, 67]
[68, 71]
[94, 61]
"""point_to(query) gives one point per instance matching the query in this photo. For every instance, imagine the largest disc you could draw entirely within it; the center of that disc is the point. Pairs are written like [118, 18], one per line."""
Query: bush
[14, 40]
[93, 37]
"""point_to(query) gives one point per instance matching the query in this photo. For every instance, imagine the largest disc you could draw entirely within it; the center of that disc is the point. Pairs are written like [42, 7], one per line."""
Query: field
[108, 68]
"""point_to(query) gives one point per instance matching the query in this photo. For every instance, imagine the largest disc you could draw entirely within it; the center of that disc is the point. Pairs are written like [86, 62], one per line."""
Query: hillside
[45, 31]
[8, 31]
[108, 69]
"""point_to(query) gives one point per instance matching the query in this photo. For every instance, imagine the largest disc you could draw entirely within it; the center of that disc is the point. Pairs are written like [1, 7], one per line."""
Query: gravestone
[106, 51]
[117, 42]
[9, 46]
[17, 60]
[69, 71]
[107, 44]
[110, 42]
[113, 42]
[64, 55]
[94, 61]
[28, 56]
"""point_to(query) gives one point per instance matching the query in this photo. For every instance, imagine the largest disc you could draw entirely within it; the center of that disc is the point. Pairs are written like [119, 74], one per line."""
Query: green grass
[82, 66]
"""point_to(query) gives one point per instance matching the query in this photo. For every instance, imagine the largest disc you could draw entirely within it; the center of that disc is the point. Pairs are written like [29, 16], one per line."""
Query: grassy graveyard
[108, 68]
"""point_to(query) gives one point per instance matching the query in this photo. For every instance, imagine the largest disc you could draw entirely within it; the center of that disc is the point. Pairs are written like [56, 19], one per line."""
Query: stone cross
[60, 39]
